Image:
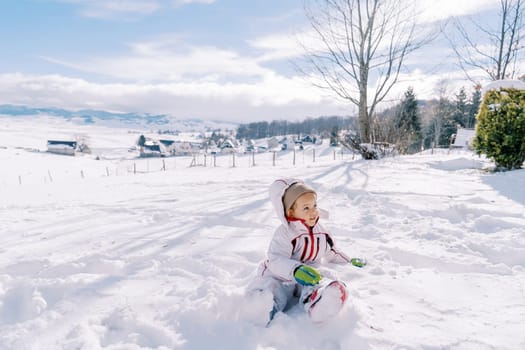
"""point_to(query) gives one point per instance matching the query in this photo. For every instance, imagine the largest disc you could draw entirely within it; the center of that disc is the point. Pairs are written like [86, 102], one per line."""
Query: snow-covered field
[159, 260]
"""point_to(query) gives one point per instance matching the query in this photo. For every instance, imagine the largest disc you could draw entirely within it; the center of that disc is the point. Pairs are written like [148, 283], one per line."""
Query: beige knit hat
[293, 192]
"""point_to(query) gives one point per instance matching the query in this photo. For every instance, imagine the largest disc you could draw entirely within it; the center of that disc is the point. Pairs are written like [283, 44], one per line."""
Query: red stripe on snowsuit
[312, 245]
[317, 250]
[305, 249]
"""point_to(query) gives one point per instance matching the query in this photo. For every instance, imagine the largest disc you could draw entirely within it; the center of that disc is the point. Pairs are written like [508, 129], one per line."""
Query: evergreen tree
[408, 124]
[461, 112]
[334, 136]
[448, 125]
[475, 102]
[141, 141]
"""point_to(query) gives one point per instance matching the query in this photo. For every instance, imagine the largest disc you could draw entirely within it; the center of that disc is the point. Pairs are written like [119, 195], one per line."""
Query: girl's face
[305, 208]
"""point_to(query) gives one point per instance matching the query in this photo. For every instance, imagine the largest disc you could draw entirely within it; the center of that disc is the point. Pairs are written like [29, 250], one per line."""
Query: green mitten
[307, 275]
[358, 262]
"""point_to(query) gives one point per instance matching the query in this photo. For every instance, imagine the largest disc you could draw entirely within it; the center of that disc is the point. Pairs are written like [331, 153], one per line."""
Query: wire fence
[83, 167]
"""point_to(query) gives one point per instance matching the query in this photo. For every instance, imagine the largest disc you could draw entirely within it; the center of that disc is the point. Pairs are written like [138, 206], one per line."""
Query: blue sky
[209, 59]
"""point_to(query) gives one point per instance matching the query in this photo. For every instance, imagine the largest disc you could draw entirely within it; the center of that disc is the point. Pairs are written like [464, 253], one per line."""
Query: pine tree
[448, 124]
[334, 136]
[461, 111]
[475, 102]
[408, 124]
[141, 141]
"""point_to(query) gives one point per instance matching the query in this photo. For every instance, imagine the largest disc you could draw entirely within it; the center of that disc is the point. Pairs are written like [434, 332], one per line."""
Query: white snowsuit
[294, 243]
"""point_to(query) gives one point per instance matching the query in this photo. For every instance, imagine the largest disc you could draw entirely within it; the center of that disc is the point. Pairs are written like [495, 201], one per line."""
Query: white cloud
[275, 97]
[167, 76]
[114, 8]
[432, 10]
[277, 47]
[167, 60]
[280, 46]
[118, 8]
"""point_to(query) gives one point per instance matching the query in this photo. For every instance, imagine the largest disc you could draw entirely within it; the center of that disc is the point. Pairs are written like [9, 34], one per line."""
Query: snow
[503, 84]
[152, 259]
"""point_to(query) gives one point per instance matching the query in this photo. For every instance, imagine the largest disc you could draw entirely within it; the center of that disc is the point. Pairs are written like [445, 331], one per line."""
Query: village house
[62, 147]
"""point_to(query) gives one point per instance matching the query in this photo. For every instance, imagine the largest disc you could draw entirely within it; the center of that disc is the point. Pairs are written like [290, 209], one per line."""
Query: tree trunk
[364, 118]
[364, 121]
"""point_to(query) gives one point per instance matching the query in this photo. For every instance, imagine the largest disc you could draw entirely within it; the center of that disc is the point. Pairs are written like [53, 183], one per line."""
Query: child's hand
[358, 262]
[307, 275]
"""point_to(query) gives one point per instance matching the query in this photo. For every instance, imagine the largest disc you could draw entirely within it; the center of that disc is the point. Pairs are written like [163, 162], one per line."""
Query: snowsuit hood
[277, 189]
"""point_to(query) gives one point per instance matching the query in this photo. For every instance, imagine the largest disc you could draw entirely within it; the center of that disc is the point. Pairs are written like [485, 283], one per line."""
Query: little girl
[299, 246]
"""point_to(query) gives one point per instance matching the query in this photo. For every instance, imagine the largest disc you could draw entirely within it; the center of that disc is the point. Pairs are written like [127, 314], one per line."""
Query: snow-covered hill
[159, 259]
[104, 118]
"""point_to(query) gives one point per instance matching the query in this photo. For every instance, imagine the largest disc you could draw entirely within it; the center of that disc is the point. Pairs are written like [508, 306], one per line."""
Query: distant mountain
[137, 120]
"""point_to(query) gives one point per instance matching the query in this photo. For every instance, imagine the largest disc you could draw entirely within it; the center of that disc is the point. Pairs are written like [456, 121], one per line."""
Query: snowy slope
[158, 260]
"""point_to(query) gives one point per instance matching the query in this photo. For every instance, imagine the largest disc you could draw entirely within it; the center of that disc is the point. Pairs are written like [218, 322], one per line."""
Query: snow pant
[283, 292]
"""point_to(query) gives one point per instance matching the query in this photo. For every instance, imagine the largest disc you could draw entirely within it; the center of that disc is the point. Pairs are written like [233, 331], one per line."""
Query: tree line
[413, 125]
[410, 125]
[317, 126]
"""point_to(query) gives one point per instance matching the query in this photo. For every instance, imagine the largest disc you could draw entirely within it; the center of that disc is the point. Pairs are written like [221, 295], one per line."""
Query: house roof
[167, 142]
[61, 142]
[464, 137]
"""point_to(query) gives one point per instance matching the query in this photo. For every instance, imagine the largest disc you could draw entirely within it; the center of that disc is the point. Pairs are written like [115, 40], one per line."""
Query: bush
[500, 129]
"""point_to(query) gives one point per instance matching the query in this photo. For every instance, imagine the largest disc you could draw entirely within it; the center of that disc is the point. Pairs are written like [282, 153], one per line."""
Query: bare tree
[496, 50]
[358, 49]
